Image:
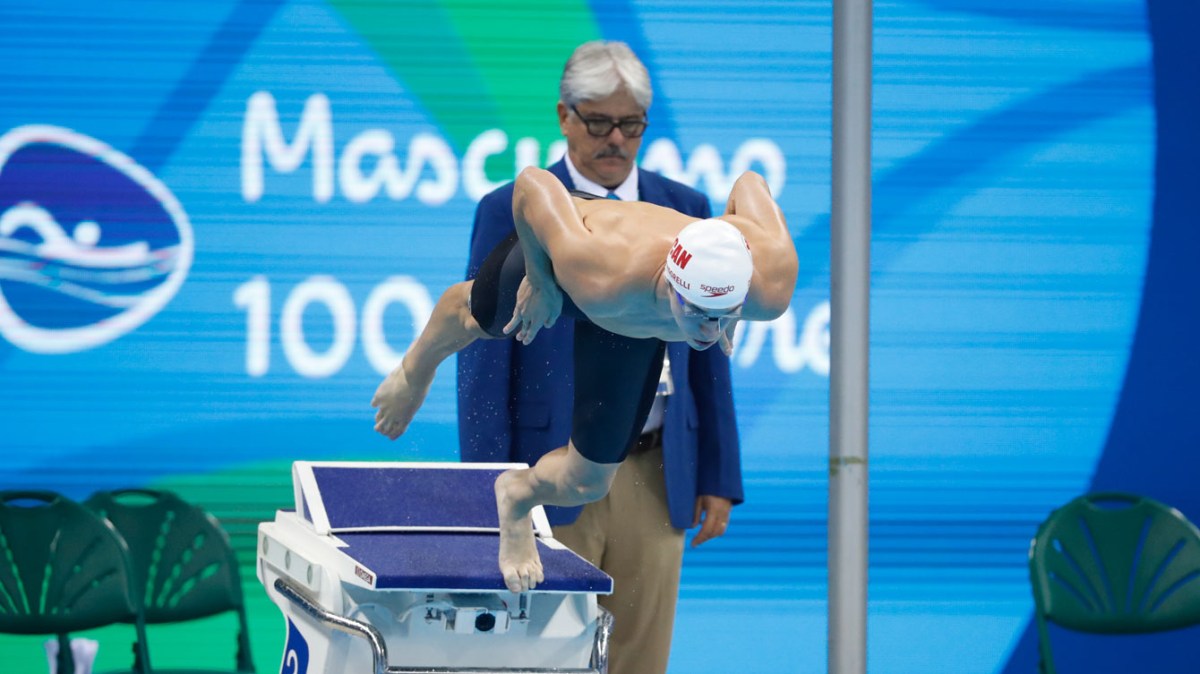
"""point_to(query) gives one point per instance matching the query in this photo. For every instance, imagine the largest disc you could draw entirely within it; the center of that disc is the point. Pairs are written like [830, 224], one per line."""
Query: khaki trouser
[628, 534]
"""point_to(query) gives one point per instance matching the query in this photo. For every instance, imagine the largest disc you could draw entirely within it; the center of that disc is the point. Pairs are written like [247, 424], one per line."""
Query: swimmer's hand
[538, 306]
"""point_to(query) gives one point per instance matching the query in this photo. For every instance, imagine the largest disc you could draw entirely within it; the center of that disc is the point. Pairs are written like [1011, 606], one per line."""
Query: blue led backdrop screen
[222, 222]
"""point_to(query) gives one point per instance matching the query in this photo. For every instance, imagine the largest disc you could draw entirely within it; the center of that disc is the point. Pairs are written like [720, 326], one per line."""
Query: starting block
[391, 568]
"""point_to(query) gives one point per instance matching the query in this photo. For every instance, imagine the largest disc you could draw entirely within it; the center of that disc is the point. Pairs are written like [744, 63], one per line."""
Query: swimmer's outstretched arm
[545, 221]
[551, 232]
[751, 198]
[775, 268]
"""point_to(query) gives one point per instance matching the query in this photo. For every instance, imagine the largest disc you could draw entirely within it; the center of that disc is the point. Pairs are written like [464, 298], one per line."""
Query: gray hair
[597, 69]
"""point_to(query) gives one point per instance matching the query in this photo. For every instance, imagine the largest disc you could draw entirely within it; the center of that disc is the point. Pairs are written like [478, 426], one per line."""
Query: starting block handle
[355, 627]
[379, 647]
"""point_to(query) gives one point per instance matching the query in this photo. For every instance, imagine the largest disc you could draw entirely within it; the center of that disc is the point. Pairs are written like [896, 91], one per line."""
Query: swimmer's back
[630, 242]
[626, 251]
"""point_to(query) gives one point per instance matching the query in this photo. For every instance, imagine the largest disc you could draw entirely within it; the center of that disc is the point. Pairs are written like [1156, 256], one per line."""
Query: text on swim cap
[680, 256]
[678, 281]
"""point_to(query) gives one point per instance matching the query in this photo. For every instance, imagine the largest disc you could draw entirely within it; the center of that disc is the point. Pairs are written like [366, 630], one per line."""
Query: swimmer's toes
[512, 581]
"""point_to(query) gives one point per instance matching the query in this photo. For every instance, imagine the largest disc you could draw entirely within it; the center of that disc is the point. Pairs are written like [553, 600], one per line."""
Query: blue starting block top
[427, 526]
[462, 561]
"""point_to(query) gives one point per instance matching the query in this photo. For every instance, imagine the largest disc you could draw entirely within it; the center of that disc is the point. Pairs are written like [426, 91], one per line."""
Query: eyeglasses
[694, 312]
[600, 127]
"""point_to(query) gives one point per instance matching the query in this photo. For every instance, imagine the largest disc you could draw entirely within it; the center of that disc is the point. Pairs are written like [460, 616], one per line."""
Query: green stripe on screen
[477, 66]
[519, 49]
[420, 45]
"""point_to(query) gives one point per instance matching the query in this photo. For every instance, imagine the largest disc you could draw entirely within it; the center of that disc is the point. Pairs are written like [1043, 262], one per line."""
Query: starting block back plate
[356, 496]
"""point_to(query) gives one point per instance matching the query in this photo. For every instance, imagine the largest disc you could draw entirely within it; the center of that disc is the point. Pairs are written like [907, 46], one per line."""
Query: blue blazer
[514, 401]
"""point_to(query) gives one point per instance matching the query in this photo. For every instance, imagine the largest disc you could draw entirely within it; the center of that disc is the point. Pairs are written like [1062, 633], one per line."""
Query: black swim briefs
[616, 377]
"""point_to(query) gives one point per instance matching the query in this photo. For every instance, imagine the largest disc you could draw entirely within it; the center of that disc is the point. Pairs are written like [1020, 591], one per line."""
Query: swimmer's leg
[562, 477]
[450, 329]
[615, 381]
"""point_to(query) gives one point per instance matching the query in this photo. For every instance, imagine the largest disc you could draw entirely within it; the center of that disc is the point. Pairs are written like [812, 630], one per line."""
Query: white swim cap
[710, 265]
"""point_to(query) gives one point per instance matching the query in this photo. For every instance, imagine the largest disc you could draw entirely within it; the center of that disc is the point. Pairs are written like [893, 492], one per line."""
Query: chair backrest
[181, 557]
[180, 554]
[62, 570]
[1113, 563]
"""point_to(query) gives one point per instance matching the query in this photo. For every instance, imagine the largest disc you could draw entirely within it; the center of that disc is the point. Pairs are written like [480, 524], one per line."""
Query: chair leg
[1045, 658]
[138, 665]
[65, 661]
[245, 663]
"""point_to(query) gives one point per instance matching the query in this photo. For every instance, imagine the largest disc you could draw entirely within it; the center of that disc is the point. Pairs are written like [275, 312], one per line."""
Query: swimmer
[636, 275]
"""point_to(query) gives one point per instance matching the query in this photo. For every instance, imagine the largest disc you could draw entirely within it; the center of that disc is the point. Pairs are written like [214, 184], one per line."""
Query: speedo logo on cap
[679, 255]
[714, 291]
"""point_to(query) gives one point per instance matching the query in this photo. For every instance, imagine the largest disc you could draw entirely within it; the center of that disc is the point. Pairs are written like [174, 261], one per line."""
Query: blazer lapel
[650, 188]
[559, 169]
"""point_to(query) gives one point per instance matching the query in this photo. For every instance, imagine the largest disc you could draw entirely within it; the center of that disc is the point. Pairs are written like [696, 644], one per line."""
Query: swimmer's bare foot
[519, 561]
[398, 399]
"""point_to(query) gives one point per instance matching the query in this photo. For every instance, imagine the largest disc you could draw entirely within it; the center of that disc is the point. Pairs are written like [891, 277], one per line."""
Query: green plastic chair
[182, 559]
[1113, 563]
[63, 570]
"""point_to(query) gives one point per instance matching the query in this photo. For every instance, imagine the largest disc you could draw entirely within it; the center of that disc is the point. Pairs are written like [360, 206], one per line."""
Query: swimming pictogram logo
[92, 244]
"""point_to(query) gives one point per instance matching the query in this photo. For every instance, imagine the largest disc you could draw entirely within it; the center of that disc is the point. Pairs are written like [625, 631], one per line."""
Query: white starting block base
[373, 577]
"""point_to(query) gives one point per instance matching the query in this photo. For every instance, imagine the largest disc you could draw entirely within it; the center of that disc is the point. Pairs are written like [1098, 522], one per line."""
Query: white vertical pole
[850, 244]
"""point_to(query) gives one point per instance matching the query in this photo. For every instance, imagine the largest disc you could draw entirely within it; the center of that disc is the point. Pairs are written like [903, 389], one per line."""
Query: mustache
[611, 151]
